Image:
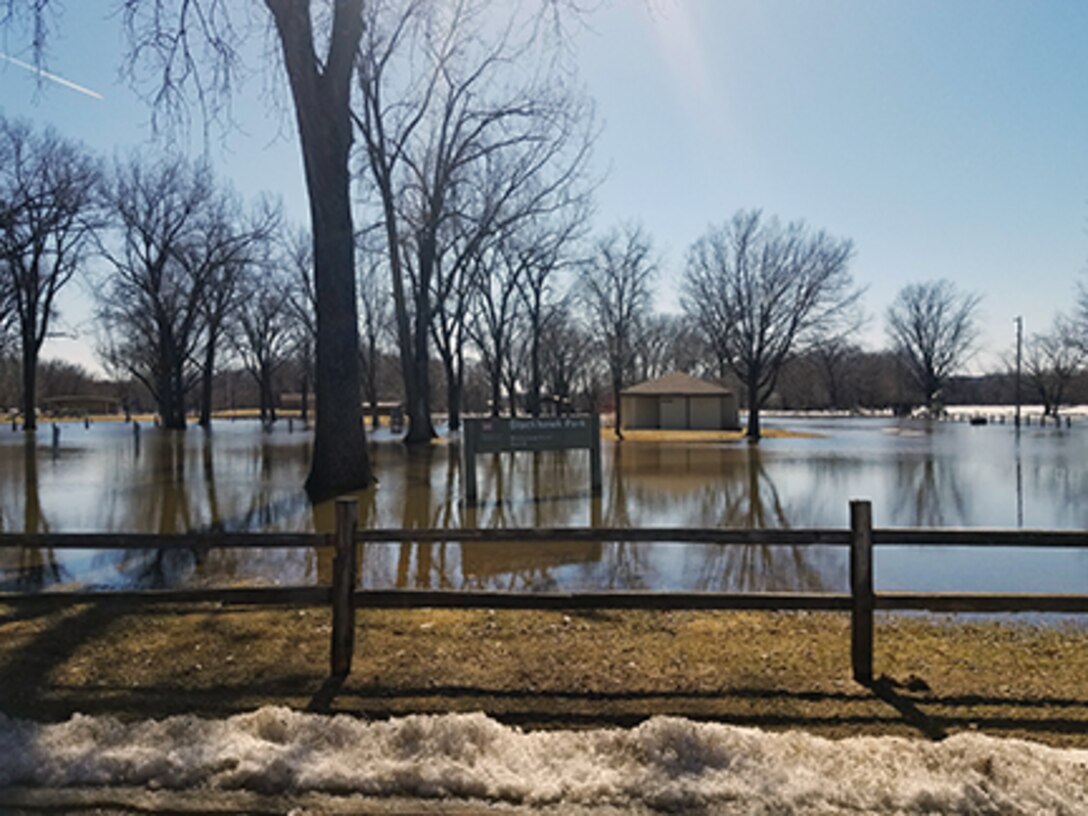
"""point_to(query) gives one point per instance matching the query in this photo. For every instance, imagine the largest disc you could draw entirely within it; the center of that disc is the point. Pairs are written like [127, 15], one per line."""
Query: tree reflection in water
[625, 564]
[37, 567]
[720, 487]
[687, 485]
[165, 510]
[928, 492]
[756, 503]
[236, 478]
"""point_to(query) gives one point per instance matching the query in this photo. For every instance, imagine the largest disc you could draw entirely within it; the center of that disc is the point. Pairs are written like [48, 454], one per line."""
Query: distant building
[679, 402]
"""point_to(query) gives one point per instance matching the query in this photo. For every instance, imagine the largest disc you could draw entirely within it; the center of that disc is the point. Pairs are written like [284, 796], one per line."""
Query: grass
[548, 669]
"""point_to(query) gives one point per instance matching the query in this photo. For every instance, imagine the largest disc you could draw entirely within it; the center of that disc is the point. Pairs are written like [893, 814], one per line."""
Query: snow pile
[666, 764]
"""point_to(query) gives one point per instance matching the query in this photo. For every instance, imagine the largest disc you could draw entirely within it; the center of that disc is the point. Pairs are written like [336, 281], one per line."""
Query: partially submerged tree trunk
[170, 395]
[206, 374]
[48, 209]
[322, 105]
[617, 386]
[753, 431]
[420, 428]
[30, 377]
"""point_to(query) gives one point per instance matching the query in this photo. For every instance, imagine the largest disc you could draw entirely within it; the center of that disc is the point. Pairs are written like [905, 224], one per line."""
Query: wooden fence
[345, 596]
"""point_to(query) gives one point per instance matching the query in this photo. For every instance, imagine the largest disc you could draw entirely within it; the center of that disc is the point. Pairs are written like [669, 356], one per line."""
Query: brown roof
[676, 384]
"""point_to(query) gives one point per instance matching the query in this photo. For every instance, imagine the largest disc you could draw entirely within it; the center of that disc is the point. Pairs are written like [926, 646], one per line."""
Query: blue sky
[947, 139]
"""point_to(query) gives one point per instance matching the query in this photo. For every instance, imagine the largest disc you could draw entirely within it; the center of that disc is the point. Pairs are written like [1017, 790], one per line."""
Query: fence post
[343, 587]
[861, 590]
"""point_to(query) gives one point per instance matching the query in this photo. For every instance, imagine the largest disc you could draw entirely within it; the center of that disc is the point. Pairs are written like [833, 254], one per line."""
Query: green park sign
[504, 434]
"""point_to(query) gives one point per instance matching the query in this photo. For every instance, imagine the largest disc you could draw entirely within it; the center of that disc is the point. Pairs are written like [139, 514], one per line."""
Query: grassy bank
[547, 669]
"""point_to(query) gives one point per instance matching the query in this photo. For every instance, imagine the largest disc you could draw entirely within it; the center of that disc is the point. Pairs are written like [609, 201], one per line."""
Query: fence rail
[345, 596]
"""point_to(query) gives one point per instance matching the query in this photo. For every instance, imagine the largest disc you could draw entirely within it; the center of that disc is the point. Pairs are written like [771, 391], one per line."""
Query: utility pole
[1019, 342]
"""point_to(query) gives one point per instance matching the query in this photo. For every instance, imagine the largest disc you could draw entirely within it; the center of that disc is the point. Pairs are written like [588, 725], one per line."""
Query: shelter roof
[676, 384]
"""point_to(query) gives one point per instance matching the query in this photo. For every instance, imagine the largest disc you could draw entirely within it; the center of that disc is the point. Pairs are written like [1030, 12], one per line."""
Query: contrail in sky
[53, 77]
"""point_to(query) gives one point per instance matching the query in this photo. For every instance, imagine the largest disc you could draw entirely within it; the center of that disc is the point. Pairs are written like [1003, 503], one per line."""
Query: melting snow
[666, 764]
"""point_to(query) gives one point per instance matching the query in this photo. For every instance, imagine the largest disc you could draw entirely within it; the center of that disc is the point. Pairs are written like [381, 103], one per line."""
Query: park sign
[510, 434]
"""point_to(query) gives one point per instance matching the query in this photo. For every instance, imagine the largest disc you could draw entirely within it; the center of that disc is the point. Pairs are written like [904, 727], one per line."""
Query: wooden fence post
[861, 590]
[343, 587]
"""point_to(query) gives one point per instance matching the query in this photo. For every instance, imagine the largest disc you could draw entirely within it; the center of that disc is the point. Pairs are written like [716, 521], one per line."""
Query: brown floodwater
[239, 478]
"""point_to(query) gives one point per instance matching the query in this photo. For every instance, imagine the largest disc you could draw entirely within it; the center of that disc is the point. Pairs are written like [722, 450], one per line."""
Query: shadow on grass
[882, 708]
[25, 674]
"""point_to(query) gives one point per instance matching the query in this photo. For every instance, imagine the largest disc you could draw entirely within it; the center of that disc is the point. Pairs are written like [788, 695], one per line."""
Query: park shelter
[678, 402]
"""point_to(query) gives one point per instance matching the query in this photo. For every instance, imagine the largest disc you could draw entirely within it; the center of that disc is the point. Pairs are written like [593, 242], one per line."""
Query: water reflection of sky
[238, 478]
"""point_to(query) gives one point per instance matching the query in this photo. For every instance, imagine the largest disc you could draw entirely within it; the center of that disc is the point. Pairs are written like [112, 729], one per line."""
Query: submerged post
[861, 590]
[343, 587]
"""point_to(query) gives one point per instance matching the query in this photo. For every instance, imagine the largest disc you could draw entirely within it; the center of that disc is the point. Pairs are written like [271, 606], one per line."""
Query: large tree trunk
[456, 389]
[617, 402]
[268, 399]
[496, 391]
[534, 375]
[453, 408]
[206, 386]
[753, 410]
[262, 394]
[322, 96]
[171, 413]
[420, 429]
[30, 385]
[371, 377]
[172, 399]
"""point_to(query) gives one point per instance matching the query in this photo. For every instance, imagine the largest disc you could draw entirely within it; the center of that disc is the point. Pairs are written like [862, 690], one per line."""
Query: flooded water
[238, 478]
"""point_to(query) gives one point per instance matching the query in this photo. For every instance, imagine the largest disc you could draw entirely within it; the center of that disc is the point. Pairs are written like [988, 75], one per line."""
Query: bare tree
[264, 337]
[457, 153]
[512, 196]
[321, 89]
[374, 298]
[1078, 324]
[302, 301]
[393, 104]
[551, 243]
[932, 327]
[152, 304]
[495, 314]
[614, 286]
[565, 347]
[193, 48]
[452, 299]
[669, 343]
[1051, 361]
[761, 291]
[229, 247]
[49, 208]
[834, 358]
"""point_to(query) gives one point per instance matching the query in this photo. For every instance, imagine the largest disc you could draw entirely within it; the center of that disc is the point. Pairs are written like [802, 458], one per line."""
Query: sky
[946, 138]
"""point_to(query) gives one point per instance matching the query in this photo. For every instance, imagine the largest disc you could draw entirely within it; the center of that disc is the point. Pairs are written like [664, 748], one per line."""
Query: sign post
[505, 434]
